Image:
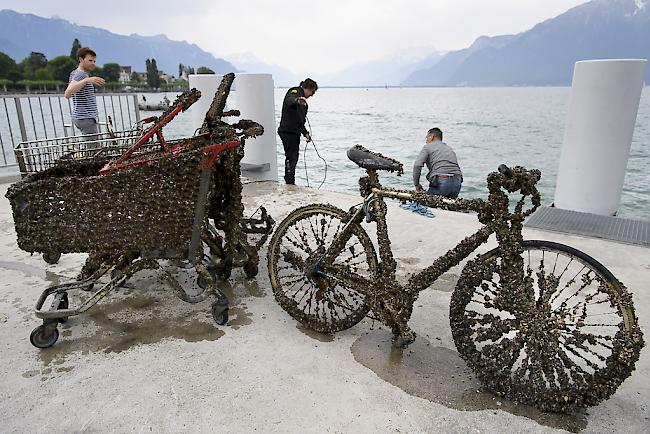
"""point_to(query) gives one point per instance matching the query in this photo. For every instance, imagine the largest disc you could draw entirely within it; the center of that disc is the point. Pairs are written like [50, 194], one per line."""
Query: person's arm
[76, 86]
[417, 168]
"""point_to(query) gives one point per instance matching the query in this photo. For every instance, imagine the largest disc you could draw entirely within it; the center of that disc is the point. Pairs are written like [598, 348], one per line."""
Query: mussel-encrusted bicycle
[538, 321]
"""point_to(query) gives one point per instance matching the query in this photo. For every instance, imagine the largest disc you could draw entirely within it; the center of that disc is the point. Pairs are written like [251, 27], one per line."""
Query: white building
[125, 74]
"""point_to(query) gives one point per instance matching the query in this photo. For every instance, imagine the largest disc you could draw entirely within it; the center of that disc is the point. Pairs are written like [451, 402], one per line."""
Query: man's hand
[302, 100]
[98, 81]
[419, 188]
[308, 137]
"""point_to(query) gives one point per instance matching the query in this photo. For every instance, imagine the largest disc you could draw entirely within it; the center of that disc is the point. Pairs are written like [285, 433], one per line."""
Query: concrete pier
[144, 361]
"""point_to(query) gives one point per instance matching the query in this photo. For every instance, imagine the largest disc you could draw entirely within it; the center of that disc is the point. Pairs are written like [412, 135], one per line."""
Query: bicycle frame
[494, 214]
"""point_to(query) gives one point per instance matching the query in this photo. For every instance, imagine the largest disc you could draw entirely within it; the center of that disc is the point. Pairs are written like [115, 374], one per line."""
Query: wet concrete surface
[33, 271]
[142, 360]
[320, 337]
[446, 282]
[123, 322]
[439, 375]
[145, 311]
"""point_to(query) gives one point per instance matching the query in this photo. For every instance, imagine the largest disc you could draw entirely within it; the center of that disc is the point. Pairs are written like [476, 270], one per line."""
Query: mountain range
[546, 54]
[21, 34]
[542, 55]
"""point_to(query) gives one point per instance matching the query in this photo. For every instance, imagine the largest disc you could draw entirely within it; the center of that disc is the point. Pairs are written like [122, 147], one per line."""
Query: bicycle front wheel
[330, 301]
[571, 339]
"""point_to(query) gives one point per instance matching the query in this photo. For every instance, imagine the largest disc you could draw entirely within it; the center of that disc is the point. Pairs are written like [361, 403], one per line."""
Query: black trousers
[291, 144]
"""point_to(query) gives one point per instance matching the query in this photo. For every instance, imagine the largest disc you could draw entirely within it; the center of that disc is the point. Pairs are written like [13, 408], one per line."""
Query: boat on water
[153, 106]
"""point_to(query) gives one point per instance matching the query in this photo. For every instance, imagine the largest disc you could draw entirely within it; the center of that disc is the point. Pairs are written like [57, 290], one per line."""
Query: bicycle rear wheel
[327, 302]
[570, 341]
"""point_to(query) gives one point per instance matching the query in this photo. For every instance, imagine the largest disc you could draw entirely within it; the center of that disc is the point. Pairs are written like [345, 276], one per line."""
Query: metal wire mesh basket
[38, 155]
[70, 207]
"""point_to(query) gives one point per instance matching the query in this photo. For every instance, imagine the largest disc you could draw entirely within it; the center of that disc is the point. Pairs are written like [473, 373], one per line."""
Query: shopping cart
[74, 208]
[151, 203]
[145, 135]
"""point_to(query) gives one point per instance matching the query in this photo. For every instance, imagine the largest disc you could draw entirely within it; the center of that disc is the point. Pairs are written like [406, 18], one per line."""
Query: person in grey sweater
[445, 177]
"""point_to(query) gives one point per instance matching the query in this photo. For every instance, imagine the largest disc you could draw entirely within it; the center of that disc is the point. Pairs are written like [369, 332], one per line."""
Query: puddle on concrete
[254, 288]
[30, 270]
[125, 323]
[131, 316]
[439, 375]
[320, 337]
[143, 311]
[238, 317]
[446, 282]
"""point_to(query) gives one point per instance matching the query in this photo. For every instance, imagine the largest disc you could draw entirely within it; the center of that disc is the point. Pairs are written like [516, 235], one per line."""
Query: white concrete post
[255, 101]
[207, 84]
[604, 103]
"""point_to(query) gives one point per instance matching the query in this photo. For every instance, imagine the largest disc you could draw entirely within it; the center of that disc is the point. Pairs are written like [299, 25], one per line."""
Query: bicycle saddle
[373, 160]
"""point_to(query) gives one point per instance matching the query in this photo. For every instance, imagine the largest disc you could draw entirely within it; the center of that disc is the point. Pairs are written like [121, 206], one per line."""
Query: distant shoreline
[147, 91]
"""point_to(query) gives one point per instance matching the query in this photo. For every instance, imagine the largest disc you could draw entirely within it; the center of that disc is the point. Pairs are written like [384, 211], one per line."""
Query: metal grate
[592, 225]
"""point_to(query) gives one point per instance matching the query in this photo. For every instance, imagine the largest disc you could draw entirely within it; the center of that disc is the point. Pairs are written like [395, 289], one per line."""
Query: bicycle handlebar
[505, 170]
[517, 179]
[513, 179]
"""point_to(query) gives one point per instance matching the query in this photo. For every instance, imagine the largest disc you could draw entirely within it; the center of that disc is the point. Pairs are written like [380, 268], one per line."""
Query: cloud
[307, 37]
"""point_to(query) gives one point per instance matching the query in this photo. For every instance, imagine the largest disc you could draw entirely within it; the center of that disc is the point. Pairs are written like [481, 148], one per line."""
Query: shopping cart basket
[147, 211]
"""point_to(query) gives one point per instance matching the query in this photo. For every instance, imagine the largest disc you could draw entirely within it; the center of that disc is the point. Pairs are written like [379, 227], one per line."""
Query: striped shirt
[83, 102]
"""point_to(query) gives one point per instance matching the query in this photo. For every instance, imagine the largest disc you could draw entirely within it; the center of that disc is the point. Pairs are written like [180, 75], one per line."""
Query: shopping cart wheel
[40, 339]
[64, 304]
[220, 312]
[51, 258]
[250, 269]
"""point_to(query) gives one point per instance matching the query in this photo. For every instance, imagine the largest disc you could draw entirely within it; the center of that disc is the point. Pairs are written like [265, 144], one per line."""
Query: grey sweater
[440, 160]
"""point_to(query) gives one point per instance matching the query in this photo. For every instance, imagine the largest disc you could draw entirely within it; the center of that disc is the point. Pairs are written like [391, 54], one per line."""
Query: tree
[204, 70]
[7, 66]
[111, 72]
[181, 68]
[153, 78]
[16, 74]
[148, 72]
[135, 77]
[156, 74]
[60, 68]
[32, 63]
[76, 45]
[43, 74]
[189, 70]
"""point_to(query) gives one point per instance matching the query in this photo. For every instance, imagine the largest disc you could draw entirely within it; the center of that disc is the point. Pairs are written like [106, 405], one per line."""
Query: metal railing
[33, 117]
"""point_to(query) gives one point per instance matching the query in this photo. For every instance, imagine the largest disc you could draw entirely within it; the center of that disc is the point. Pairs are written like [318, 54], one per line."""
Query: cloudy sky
[307, 36]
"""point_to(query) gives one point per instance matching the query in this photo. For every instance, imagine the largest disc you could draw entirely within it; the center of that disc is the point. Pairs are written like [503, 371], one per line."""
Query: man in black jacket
[292, 125]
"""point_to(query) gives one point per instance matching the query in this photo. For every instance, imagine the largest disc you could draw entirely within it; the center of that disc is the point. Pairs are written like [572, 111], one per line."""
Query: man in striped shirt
[82, 91]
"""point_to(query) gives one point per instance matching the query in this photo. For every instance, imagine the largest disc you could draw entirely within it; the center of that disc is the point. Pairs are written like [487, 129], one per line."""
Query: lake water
[486, 127]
